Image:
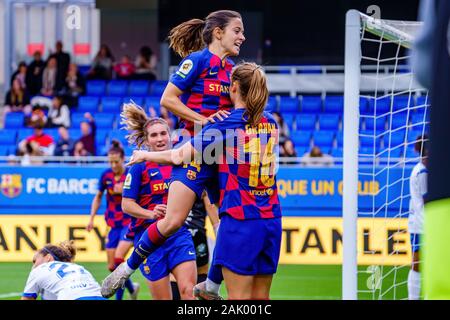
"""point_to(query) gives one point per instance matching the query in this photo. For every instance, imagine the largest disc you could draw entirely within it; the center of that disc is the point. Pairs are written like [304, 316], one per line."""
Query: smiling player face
[232, 37]
[158, 137]
[116, 162]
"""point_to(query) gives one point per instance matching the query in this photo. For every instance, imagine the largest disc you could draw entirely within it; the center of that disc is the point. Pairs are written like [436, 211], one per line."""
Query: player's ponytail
[253, 89]
[64, 251]
[116, 148]
[136, 122]
[187, 37]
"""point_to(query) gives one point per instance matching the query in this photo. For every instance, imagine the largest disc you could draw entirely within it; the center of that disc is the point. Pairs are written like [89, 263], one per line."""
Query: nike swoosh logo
[153, 174]
[213, 73]
[191, 253]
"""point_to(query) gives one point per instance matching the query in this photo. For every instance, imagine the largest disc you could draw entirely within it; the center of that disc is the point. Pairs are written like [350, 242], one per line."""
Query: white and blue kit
[417, 190]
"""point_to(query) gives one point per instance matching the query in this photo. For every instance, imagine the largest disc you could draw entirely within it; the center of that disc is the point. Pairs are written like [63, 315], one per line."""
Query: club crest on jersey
[147, 269]
[11, 185]
[191, 175]
[186, 67]
[127, 183]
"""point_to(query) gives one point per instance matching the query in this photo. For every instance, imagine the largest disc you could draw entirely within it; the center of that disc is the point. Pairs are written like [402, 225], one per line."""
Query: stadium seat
[382, 105]
[74, 133]
[101, 149]
[128, 151]
[137, 100]
[14, 120]
[340, 139]
[138, 88]
[364, 106]
[334, 104]
[117, 88]
[402, 102]
[289, 119]
[422, 101]
[118, 135]
[5, 150]
[272, 104]
[337, 152]
[323, 139]
[300, 151]
[312, 104]
[96, 88]
[367, 151]
[101, 136]
[24, 133]
[306, 122]
[104, 120]
[53, 132]
[378, 123]
[111, 104]
[88, 104]
[289, 104]
[8, 136]
[301, 138]
[393, 139]
[367, 139]
[411, 153]
[329, 122]
[153, 102]
[157, 88]
[413, 135]
[76, 119]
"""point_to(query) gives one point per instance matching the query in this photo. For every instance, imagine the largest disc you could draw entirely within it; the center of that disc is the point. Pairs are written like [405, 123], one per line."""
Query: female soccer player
[197, 92]
[55, 277]
[112, 181]
[417, 189]
[144, 198]
[249, 237]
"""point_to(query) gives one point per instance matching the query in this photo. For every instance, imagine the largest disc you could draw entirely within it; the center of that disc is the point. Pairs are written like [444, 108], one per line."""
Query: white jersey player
[55, 277]
[418, 190]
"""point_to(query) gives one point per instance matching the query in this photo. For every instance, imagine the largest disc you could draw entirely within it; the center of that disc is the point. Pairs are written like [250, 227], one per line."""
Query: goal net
[385, 112]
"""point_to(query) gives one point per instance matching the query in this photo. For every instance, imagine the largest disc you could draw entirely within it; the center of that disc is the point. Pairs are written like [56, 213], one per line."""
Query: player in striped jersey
[54, 276]
[249, 237]
[145, 198]
[112, 181]
[417, 190]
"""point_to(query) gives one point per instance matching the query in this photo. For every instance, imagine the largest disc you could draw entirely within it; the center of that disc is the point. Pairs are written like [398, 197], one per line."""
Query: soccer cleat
[136, 287]
[200, 292]
[114, 281]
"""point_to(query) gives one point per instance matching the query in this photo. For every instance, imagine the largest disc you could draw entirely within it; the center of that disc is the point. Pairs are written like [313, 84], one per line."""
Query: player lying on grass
[249, 237]
[54, 276]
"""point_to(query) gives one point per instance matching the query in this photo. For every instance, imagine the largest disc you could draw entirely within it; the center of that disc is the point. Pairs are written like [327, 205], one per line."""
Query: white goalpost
[385, 111]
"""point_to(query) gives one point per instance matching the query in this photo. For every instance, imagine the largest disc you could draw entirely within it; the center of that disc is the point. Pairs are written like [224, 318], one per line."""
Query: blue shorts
[248, 247]
[415, 242]
[177, 249]
[114, 236]
[198, 178]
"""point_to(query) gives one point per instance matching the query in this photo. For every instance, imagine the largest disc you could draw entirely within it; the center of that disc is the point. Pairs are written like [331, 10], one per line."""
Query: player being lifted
[112, 181]
[144, 197]
[197, 92]
[249, 237]
[54, 276]
[418, 190]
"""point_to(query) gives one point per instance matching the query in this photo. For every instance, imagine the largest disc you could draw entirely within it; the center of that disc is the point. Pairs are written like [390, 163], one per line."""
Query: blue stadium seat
[289, 104]
[6, 150]
[76, 119]
[364, 106]
[411, 153]
[88, 104]
[104, 120]
[119, 135]
[337, 152]
[382, 105]
[153, 102]
[14, 120]
[329, 122]
[24, 133]
[422, 101]
[53, 132]
[394, 138]
[111, 104]
[334, 104]
[101, 136]
[323, 139]
[157, 88]
[138, 88]
[312, 104]
[301, 138]
[117, 88]
[375, 123]
[289, 119]
[8, 136]
[137, 100]
[306, 122]
[272, 104]
[413, 135]
[366, 151]
[75, 133]
[402, 102]
[301, 150]
[340, 139]
[399, 119]
[101, 149]
[128, 151]
[96, 88]
[367, 139]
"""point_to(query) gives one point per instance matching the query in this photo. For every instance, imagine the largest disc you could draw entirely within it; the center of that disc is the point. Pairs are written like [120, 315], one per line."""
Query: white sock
[127, 269]
[413, 285]
[212, 287]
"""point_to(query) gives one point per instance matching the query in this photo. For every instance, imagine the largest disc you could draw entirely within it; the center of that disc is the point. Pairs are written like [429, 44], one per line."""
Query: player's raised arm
[95, 205]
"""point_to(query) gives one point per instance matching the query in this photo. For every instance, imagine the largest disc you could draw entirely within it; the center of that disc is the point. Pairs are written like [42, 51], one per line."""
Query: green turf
[296, 282]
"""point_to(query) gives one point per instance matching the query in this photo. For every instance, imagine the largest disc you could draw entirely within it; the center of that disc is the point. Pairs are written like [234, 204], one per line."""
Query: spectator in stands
[315, 158]
[34, 74]
[17, 99]
[125, 69]
[62, 64]
[49, 77]
[37, 116]
[80, 151]
[21, 75]
[145, 64]
[59, 114]
[65, 145]
[287, 150]
[102, 65]
[28, 150]
[88, 130]
[283, 127]
[44, 141]
[74, 86]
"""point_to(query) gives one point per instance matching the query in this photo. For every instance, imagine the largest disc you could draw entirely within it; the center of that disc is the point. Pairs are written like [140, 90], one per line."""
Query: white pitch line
[10, 295]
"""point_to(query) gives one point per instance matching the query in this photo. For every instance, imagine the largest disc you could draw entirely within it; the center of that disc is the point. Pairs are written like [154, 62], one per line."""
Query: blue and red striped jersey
[205, 81]
[247, 164]
[114, 215]
[148, 184]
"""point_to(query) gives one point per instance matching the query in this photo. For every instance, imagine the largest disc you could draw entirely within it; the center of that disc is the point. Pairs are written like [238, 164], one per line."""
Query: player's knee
[185, 290]
[174, 224]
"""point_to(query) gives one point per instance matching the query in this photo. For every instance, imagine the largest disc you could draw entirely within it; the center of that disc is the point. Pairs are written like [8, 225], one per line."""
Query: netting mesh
[393, 115]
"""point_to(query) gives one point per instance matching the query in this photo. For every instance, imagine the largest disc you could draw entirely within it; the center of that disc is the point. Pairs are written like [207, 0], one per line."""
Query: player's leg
[160, 289]
[122, 249]
[414, 273]
[261, 287]
[174, 287]
[239, 287]
[186, 275]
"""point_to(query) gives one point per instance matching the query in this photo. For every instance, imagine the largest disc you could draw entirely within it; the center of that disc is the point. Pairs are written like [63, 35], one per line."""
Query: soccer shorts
[248, 247]
[201, 246]
[415, 242]
[198, 178]
[177, 249]
[114, 236]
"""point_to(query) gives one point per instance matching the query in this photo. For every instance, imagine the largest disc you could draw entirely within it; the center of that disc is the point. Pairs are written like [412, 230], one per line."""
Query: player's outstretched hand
[160, 210]
[90, 226]
[137, 157]
[221, 115]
